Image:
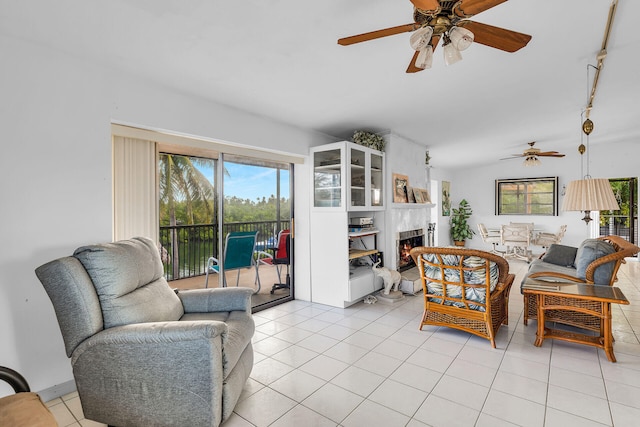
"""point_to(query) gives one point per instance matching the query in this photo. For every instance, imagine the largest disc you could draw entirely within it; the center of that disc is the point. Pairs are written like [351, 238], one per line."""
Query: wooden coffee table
[591, 300]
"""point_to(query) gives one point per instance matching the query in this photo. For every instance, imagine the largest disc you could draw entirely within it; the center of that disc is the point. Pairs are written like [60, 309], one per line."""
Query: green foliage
[460, 229]
[621, 189]
[245, 210]
[186, 195]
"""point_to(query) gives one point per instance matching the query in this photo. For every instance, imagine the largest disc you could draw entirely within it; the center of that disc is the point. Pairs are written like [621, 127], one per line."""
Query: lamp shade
[451, 54]
[593, 194]
[461, 38]
[421, 38]
[425, 57]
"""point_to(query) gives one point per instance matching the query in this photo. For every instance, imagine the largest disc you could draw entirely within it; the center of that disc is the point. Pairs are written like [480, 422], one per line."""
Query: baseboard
[57, 390]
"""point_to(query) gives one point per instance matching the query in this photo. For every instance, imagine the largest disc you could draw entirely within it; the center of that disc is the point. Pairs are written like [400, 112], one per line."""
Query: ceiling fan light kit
[449, 20]
[532, 161]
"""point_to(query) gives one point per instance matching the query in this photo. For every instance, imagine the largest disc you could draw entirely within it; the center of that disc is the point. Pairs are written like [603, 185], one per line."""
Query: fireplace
[405, 242]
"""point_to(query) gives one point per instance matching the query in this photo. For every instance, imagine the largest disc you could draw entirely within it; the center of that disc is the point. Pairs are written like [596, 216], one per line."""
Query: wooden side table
[592, 300]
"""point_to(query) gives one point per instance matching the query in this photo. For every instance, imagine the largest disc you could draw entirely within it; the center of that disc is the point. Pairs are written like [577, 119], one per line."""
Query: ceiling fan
[449, 20]
[531, 155]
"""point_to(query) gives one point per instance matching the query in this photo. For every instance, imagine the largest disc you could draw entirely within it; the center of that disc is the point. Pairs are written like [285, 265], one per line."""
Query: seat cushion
[476, 277]
[129, 281]
[25, 410]
[562, 255]
[589, 251]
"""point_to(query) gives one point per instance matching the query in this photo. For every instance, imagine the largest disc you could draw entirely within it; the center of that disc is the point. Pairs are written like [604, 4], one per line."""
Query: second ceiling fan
[449, 20]
[531, 155]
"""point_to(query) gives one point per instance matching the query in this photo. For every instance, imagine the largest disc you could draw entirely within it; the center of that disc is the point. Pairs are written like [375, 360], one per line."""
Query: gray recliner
[142, 354]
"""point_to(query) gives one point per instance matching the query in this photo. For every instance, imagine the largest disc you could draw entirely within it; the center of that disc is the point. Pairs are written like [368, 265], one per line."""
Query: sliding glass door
[257, 199]
[197, 214]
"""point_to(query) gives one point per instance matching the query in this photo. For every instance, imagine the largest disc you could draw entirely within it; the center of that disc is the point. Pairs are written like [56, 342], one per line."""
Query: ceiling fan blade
[496, 37]
[550, 154]
[378, 34]
[515, 156]
[426, 4]
[473, 7]
[412, 65]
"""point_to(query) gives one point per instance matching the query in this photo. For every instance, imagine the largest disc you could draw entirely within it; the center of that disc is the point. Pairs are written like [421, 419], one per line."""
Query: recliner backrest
[128, 278]
[108, 285]
[74, 300]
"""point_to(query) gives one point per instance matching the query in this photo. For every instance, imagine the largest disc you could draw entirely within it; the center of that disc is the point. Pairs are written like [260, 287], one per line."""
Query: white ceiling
[280, 59]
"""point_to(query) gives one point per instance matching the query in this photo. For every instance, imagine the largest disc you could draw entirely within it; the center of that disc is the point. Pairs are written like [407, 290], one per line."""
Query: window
[527, 196]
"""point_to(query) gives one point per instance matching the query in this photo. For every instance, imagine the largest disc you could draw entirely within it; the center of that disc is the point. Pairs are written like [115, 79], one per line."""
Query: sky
[251, 182]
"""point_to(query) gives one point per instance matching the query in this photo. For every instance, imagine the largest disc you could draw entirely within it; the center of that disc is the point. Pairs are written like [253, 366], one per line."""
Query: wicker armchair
[456, 282]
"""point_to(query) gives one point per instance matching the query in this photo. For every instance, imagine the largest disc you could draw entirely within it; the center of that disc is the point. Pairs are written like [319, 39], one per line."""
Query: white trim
[173, 141]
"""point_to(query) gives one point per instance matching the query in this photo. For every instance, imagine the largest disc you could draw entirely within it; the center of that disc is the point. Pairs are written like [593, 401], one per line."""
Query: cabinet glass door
[376, 180]
[327, 178]
[357, 176]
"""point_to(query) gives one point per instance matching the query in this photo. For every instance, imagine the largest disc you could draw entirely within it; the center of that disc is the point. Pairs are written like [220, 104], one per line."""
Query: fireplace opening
[406, 241]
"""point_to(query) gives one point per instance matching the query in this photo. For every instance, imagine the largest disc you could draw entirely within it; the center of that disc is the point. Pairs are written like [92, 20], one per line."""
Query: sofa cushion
[562, 255]
[589, 251]
[477, 277]
[128, 278]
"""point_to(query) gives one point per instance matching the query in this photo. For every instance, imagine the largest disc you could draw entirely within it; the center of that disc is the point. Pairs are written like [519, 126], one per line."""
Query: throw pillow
[589, 251]
[562, 255]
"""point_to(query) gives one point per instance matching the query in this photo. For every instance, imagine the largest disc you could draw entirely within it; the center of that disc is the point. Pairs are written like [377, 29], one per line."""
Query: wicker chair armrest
[559, 276]
[506, 285]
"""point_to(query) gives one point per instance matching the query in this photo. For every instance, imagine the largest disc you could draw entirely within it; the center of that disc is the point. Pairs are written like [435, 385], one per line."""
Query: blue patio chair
[239, 249]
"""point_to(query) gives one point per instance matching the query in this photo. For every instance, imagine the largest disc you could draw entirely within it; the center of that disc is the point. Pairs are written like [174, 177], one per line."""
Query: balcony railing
[186, 248]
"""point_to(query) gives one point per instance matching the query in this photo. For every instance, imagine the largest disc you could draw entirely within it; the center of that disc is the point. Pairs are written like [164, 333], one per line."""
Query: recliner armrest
[217, 299]
[156, 333]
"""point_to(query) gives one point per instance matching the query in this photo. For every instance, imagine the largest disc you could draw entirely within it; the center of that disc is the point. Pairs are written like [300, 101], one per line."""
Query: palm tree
[182, 181]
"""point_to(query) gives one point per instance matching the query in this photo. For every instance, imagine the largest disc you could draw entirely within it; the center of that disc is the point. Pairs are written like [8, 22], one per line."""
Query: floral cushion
[477, 276]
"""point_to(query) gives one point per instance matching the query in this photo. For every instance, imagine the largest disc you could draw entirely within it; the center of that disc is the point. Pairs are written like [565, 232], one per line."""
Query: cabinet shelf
[359, 253]
[328, 168]
[355, 234]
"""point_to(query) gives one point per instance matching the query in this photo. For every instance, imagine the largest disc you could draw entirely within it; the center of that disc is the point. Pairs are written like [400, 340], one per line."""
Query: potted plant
[460, 229]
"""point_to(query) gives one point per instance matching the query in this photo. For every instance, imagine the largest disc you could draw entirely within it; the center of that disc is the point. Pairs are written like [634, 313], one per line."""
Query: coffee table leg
[607, 336]
[540, 331]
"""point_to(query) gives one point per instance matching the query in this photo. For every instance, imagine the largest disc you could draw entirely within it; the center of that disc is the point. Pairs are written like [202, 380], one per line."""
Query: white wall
[56, 179]
[477, 185]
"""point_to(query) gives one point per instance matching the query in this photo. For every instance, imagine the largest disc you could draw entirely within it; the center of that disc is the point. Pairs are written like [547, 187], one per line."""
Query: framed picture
[426, 197]
[446, 198]
[417, 194]
[400, 184]
[410, 195]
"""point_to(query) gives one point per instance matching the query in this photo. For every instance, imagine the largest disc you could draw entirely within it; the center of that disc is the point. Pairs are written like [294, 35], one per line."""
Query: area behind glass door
[257, 197]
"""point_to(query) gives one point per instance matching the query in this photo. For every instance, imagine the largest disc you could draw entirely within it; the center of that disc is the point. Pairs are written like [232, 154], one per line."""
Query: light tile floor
[369, 365]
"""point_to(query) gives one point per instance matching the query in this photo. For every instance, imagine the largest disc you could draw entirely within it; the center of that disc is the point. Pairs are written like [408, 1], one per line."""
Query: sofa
[464, 289]
[143, 354]
[595, 261]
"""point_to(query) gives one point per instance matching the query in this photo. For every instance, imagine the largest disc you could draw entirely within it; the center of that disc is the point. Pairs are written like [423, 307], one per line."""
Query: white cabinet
[347, 176]
[347, 182]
